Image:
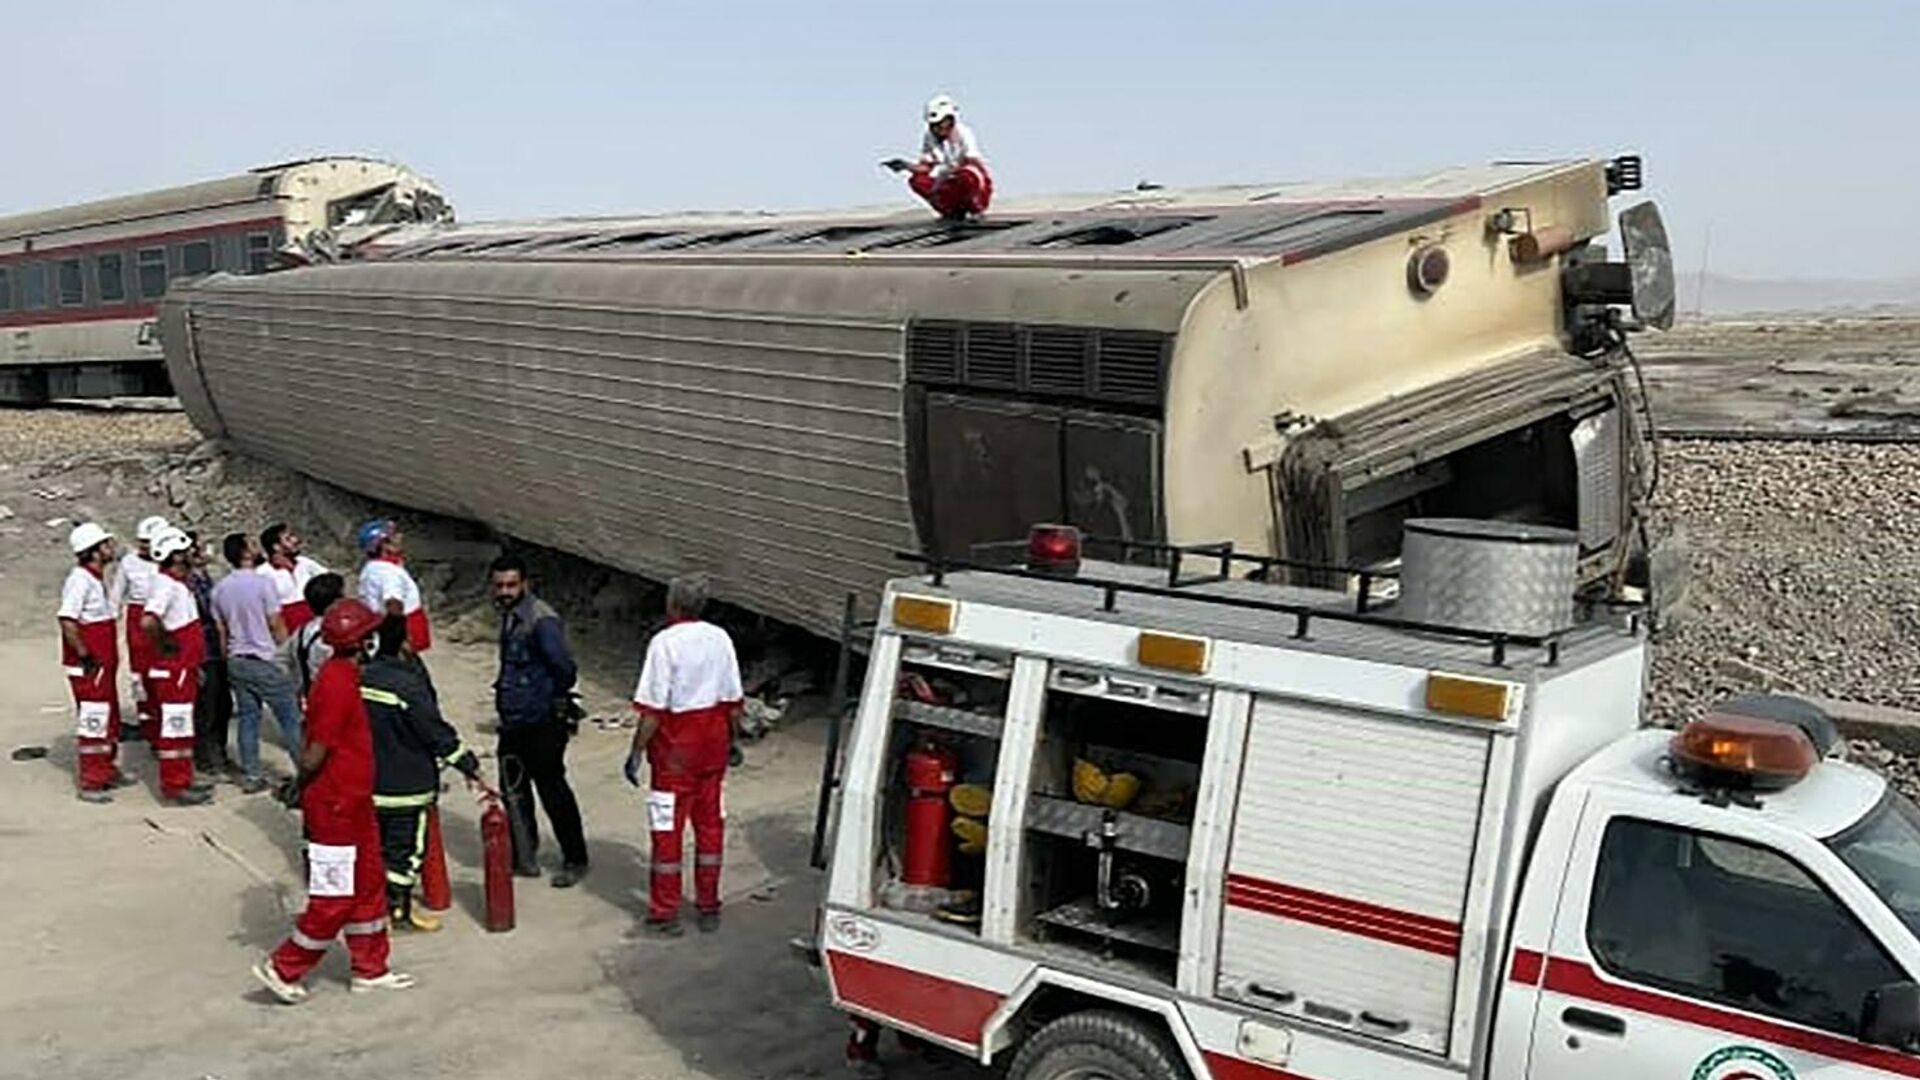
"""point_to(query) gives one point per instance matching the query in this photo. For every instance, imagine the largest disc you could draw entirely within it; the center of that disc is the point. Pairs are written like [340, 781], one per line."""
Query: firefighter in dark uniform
[411, 741]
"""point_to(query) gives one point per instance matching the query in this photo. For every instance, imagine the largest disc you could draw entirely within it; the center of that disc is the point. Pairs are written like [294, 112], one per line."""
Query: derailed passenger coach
[788, 400]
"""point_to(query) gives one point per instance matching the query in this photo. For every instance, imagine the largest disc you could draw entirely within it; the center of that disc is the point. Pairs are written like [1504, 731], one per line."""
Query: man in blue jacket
[538, 714]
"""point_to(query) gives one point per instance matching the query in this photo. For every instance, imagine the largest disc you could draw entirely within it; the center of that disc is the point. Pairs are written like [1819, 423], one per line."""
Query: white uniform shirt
[947, 154]
[172, 603]
[291, 582]
[690, 665]
[381, 581]
[83, 598]
[132, 579]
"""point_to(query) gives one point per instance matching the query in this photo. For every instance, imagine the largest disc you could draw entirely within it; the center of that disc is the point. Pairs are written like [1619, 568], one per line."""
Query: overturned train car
[788, 400]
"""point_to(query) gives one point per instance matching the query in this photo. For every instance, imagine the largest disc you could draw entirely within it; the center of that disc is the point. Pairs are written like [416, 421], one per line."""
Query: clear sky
[1793, 128]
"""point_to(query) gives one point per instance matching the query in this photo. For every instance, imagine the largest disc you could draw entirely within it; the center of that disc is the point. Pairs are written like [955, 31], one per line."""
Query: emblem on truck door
[1742, 1063]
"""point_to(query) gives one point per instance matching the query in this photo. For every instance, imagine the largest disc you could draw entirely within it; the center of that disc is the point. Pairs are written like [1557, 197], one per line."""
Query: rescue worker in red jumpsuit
[132, 581]
[346, 878]
[688, 697]
[91, 657]
[176, 647]
[951, 174]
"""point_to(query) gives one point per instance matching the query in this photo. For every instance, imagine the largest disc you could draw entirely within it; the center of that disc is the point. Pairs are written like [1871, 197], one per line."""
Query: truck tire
[1099, 1045]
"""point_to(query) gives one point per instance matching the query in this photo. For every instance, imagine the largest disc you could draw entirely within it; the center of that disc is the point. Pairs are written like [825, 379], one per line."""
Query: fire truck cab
[1204, 826]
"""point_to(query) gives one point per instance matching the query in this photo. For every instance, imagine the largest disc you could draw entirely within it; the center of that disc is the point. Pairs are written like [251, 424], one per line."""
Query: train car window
[259, 252]
[73, 283]
[153, 272]
[33, 286]
[196, 257]
[6, 290]
[110, 271]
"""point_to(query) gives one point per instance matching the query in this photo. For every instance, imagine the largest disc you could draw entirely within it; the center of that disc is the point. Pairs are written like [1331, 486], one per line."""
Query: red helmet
[347, 623]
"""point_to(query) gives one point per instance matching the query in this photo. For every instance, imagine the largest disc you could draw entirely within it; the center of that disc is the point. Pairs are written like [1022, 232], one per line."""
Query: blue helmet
[374, 533]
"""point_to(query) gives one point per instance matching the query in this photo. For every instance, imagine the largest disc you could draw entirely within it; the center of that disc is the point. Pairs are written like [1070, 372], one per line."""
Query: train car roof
[253, 185]
[1289, 221]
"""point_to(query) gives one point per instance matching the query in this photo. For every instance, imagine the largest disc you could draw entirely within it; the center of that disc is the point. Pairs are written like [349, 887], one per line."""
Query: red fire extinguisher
[497, 857]
[926, 859]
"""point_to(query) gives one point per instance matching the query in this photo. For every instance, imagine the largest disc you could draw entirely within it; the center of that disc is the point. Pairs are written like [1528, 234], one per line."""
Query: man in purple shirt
[247, 606]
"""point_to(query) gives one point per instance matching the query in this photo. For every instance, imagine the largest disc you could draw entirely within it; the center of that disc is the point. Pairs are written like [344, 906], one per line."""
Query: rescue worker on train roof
[411, 740]
[951, 173]
[176, 647]
[346, 876]
[90, 656]
[385, 584]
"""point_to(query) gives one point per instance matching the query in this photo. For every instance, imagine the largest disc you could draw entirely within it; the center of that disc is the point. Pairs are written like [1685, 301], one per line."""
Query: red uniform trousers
[139, 664]
[96, 706]
[174, 683]
[675, 800]
[966, 190]
[346, 894]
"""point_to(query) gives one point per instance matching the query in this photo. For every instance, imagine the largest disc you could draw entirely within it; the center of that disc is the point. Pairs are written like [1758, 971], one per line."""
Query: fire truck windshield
[1884, 849]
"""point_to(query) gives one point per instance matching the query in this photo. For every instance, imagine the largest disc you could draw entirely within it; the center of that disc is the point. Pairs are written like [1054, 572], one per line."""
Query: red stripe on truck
[1576, 978]
[1228, 1067]
[951, 1010]
[1405, 928]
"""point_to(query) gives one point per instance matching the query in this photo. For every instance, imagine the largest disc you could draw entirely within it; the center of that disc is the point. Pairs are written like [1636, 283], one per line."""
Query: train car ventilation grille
[1050, 362]
[1131, 365]
[993, 356]
[933, 352]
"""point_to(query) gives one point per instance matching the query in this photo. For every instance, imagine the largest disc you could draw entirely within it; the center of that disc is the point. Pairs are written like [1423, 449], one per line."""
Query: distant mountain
[1734, 296]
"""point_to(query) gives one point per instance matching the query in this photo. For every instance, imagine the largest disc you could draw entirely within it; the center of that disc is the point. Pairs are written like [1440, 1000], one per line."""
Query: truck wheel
[1098, 1045]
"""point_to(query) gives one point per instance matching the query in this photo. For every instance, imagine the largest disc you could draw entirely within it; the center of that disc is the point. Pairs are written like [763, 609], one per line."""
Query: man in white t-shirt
[290, 570]
[688, 698]
[385, 584]
[951, 173]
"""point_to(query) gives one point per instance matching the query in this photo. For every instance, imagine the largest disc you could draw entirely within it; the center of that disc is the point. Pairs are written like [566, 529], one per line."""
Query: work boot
[96, 796]
[708, 921]
[569, 875]
[391, 980]
[288, 993]
[189, 797]
[404, 916]
[661, 928]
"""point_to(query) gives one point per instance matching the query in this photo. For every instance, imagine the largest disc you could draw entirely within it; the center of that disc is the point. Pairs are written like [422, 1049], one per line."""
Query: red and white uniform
[383, 579]
[290, 579]
[952, 175]
[690, 684]
[346, 876]
[174, 679]
[96, 694]
[132, 582]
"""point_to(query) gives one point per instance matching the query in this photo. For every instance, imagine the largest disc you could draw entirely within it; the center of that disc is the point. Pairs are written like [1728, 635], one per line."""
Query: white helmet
[168, 543]
[150, 528]
[941, 107]
[86, 536]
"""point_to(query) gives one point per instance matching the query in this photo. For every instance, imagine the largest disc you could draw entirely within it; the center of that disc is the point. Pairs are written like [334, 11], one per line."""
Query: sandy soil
[127, 932]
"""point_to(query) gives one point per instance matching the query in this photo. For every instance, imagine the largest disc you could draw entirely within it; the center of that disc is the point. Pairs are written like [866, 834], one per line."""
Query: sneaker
[708, 922]
[252, 785]
[288, 993]
[96, 796]
[568, 876]
[121, 780]
[189, 797]
[392, 980]
[662, 928]
[528, 870]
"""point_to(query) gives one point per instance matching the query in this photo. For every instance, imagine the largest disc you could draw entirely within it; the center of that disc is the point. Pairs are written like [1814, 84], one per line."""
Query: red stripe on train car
[951, 1010]
[139, 240]
[58, 317]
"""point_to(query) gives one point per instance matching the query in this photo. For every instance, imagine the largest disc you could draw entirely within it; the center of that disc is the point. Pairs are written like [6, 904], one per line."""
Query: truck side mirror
[1891, 1016]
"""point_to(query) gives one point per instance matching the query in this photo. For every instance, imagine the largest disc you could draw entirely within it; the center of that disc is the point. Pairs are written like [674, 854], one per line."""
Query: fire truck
[1159, 818]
